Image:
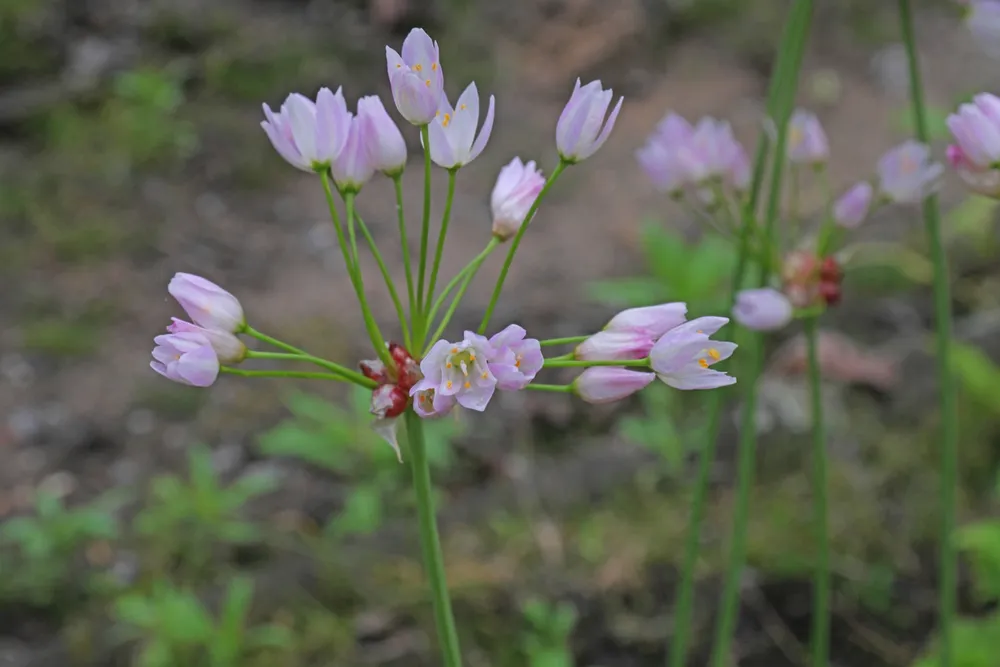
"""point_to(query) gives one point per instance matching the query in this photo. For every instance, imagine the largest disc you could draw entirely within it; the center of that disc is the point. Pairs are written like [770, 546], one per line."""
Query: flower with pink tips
[518, 186]
[309, 135]
[683, 357]
[606, 384]
[582, 128]
[453, 131]
[416, 77]
[186, 358]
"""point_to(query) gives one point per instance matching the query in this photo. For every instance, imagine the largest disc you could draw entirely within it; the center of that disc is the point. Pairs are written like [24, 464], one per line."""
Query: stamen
[484, 375]
[701, 362]
[712, 352]
[446, 120]
[418, 67]
[462, 107]
[447, 385]
[448, 364]
[398, 66]
[434, 67]
[468, 385]
[428, 82]
[454, 350]
[472, 356]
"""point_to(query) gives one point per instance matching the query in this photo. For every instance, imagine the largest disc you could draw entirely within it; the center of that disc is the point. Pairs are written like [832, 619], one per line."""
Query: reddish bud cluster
[809, 280]
[830, 277]
[392, 395]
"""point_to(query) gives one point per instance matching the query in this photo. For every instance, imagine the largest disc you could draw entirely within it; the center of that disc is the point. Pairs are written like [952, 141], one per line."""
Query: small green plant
[172, 627]
[546, 642]
[187, 520]
[698, 273]
[340, 440]
[44, 550]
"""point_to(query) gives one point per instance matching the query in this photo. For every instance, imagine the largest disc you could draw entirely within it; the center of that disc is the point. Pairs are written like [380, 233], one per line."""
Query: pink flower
[516, 190]
[385, 143]
[984, 182]
[428, 403]
[976, 128]
[604, 384]
[807, 143]
[208, 305]
[228, 348]
[309, 135]
[453, 131]
[461, 370]
[615, 345]
[762, 309]
[653, 321]
[416, 77]
[678, 156]
[516, 360]
[187, 358]
[581, 129]
[852, 208]
[353, 167]
[683, 357]
[907, 174]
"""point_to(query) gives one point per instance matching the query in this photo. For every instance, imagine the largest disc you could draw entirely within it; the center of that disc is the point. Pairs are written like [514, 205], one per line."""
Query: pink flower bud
[385, 143]
[453, 131]
[605, 384]
[186, 358]
[407, 369]
[652, 321]
[388, 401]
[615, 345]
[907, 174]
[309, 135]
[516, 189]
[374, 369]
[807, 143]
[208, 305]
[228, 347]
[762, 309]
[416, 77]
[581, 129]
[353, 167]
[852, 208]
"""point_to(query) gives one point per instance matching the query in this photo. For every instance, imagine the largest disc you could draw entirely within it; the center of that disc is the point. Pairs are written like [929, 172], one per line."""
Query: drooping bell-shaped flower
[453, 131]
[683, 357]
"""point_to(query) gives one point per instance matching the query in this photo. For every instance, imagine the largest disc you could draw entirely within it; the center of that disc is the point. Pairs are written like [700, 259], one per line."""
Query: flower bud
[614, 345]
[388, 401]
[208, 305]
[653, 321]
[852, 208]
[605, 384]
[385, 144]
[581, 129]
[762, 309]
[374, 369]
[516, 190]
[187, 358]
[228, 348]
[807, 143]
[353, 167]
[407, 369]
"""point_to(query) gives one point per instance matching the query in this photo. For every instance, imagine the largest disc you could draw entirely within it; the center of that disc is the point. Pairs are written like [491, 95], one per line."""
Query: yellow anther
[454, 350]
[472, 356]
[712, 352]
[428, 82]
[484, 375]
[434, 67]
[447, 364]
[701, 362]
[398, 66]
[461, 106]
[446, 120]
[700, 331]
[418, 67]
[447, 385]
[468, 385]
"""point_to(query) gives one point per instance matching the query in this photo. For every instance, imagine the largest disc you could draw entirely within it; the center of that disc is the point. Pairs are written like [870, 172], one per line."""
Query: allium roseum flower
[516, 360]
[906, 173]
[652, 321]
[807, 142]
[852, 208]
[763, 309]
[430, 403]
[461, 370]
[678, 156]
[453, 131]
[615, 345]
[187, 358]
[985, 182]
[353, 167]
[581, 129]
[976, 129]
[208, 305]
[228, 347]
[683, 357]
[516, 189]
[983, 20]
[309, 135]
[605, 384]
[416, 77]
[385, 143]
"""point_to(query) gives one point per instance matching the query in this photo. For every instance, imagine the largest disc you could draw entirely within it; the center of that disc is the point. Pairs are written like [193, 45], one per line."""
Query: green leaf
[977, 374]
[135, 610]
[362, 512]
[982, 543]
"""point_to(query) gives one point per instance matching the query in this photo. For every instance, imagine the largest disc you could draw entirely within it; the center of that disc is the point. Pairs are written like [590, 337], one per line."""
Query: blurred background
[263, 523]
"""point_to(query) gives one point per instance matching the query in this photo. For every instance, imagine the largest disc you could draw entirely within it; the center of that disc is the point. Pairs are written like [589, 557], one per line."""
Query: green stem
[516, 242]
[390, 285]
[461, 275]
[343, 371]
[425, 224]
[820, 638]
[354, 271]
[583, 363]
[439, 251]
[466, 280]
[281, 374]
[430, 542]
[794, 41]
[411, 296]
[558, 388]
[562, 341]
[946, 380]
[250, 331]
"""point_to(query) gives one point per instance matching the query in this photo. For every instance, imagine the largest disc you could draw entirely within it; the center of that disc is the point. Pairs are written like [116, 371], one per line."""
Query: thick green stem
[390, 285]
[562, 341]
[430, 542]
[946, 380]
[343, 371]
[820, 638]
[242, 372]
[517, 242]
[439, 251]
[411, 296]
[425, 224]
[794, 40]
[353, 270]
[555, 362]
